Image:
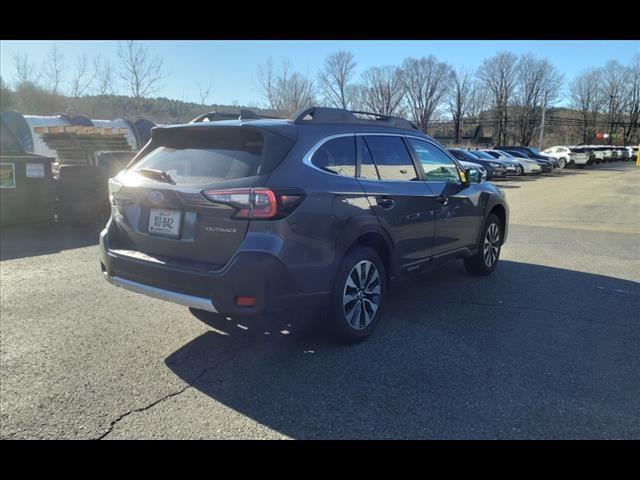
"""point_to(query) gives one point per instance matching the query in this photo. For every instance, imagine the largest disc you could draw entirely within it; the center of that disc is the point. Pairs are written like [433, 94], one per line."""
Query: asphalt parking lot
[546, 347]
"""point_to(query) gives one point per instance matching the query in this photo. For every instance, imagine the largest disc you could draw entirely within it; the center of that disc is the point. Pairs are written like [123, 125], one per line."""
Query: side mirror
[472, 175]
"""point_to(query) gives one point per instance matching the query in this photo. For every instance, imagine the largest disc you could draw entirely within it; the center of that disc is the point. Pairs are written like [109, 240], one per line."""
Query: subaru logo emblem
[156, 197]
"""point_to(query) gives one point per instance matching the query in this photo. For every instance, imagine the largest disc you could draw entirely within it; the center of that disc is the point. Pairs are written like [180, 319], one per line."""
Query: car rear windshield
[204, 155]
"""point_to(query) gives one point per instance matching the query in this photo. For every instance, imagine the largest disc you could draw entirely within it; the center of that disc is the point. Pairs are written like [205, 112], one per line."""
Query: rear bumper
[199, 303]
[255, 274]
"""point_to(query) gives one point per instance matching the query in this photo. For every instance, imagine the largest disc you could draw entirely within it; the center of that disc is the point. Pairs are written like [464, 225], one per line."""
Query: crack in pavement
[151, 405]
[173, 394]
[523, 308]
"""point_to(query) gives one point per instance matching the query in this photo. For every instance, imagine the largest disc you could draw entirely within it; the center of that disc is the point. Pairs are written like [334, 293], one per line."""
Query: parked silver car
[527, 165]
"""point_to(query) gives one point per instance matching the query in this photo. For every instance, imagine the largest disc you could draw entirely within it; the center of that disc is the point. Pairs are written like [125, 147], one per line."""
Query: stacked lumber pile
[76, 145]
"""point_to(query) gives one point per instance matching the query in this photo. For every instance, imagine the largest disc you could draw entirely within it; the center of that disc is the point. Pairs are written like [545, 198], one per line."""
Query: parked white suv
[568, 155]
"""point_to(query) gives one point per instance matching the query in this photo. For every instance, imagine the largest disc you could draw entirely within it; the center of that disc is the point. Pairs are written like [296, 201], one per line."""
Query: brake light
[256, 203]
[264, 203]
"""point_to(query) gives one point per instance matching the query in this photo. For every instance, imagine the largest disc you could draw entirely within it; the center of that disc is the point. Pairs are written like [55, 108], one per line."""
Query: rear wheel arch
[375, 240]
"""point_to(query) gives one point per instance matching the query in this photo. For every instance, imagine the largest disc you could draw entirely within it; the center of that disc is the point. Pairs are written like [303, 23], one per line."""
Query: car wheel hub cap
[491, 247]
[361, 295]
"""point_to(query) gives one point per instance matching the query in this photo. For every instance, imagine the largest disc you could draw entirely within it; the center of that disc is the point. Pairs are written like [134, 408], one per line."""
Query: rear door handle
[385, 202]
[442, 200]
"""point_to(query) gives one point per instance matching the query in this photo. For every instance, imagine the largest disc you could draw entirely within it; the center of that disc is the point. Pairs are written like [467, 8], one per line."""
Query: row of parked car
[505, 160]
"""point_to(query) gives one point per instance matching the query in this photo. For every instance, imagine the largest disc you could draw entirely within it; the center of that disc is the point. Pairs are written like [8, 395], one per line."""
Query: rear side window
[391, 158]
[337, 156]
[194, 156]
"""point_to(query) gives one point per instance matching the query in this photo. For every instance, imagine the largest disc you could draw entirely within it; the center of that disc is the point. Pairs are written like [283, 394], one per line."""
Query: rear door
[460, 209]
[169, 216]
[403, 203]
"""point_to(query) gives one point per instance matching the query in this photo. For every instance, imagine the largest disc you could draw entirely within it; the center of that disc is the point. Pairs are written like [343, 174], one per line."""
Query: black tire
[580, 166]
[341, 328]
[478, 264]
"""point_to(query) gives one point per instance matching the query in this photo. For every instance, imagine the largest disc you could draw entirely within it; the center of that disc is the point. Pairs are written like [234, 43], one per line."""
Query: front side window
[337, 156]
[391, 157]
[437, 166]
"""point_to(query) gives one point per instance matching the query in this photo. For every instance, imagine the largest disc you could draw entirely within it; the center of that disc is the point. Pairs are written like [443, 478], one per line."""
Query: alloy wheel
[361, 295]
[491, 246]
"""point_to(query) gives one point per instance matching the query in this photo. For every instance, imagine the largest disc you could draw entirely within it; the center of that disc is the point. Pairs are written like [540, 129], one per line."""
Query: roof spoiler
[336, 115]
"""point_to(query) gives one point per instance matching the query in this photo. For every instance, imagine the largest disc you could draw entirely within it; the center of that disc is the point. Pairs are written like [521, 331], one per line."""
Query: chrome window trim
[306, 159]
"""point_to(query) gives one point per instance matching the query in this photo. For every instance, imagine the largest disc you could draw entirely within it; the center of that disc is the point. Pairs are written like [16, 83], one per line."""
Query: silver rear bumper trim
[167, 295]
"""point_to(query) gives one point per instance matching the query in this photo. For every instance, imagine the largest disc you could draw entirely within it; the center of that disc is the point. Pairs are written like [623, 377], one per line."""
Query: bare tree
[7, 97]
[631, 108]
[285, 91]
[54, 69]
[478, 105]
[380, 91]
[141, 72]
[203, 92]
[25, 68]
[460, 99]
[498, 74]
[538, 86]
[103, 74]
[338, 71]
[584, 96]
[82, 77]
[425, 82]
[614, 87]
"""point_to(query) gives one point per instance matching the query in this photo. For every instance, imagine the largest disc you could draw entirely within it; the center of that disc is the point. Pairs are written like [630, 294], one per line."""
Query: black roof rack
[244, 114]
[331, 115]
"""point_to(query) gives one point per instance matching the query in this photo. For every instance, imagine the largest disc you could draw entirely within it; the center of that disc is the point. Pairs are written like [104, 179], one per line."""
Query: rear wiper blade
[159, 175]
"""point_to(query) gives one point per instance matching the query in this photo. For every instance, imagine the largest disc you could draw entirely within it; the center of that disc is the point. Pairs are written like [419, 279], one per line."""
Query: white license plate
[165, 222]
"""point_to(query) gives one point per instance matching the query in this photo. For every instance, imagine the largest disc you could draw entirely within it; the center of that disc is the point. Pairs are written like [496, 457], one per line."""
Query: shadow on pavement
[17, 241]
[528, 352]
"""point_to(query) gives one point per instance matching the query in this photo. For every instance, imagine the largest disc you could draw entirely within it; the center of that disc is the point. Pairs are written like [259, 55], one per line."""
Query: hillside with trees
[503, 101]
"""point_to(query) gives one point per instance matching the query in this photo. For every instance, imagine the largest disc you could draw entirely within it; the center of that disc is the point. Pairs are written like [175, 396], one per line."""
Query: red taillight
[256, 203]
[264, 203]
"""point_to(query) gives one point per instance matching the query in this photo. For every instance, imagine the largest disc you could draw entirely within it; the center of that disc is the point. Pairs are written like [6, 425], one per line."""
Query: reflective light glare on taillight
[114, 187]
[255, 203]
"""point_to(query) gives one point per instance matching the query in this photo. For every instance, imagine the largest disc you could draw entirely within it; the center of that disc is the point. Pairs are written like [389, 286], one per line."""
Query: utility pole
[544, 107]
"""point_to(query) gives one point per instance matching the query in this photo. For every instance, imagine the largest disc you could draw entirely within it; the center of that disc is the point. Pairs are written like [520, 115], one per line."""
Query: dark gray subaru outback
[320, 211]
